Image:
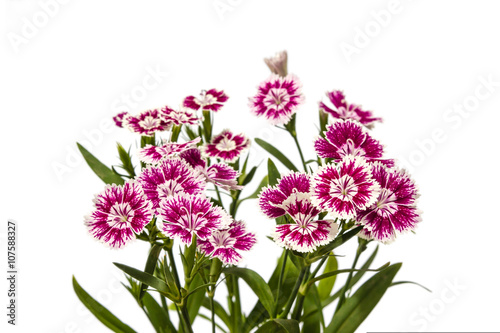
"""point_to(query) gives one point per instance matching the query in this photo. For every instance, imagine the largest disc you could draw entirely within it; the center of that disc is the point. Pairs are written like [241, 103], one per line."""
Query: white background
[64, 77]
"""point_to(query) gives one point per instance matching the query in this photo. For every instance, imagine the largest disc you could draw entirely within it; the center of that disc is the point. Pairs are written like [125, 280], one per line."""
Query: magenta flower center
[169, 188]
[343, 188]
[276, 96]
[348, 112]
[350, 149]
[223, 239]
[226, 144]
[149, 122]
[386, 205]
[119, 215]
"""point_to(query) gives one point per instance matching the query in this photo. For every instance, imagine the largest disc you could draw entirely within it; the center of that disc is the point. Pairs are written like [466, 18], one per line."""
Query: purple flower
[211, 100]
[347, 138]
[170, 177]
[278, 63]
[180, 116]
[343, 110]
[119, 118]
[344, 188]
[146, 123]
[278, 98]
[153, 154]
[120, 212]
[225, 243]
[394, 210]
[186, 215]
[227, 146]
[219, 174]
[292, 196]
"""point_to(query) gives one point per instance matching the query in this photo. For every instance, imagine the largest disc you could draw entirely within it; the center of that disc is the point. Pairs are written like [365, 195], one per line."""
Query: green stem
[237, 305]
[300, 300]
[294, 136]
[174, 269]
[280, 282]
[212, 308]
[218, 195]
[293, 295]
[185, 319]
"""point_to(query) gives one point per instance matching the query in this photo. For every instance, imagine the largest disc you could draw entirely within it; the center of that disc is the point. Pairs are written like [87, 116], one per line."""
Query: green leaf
[312, 302]
[126, 160]
[146, 278]
[280, 326]
[100, 312]
[339, 241]
[276, 153]
[157, 315]
[219, 311]
[154, 252]
[195, 299]
[357, 307]
[272, 173]
[248, 177]
[255, 194]
[102, 171]
[410, 282]
[190, 133]
[256, 283]
[325, 286]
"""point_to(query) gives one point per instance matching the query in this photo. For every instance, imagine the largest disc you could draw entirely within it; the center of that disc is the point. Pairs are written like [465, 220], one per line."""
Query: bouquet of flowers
[174, 201]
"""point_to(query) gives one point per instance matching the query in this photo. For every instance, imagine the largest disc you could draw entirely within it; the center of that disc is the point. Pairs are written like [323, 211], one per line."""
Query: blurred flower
[344, 188]
[343, 110]
[186, 215]
[153, 154]
[120, 212]
[278, 98]
[227, 146]
[211, 100]
[394, 210]
[146, 123]
[278, 63]
[171, 177]
[225, 243]
[180, 116]
[348, 138]
[119, 118]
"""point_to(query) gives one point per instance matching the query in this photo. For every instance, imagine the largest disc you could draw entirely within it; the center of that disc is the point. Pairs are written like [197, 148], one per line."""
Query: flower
[211, 100]
[347, 111]
[120, 212]
[180, 116]
[278, 63]
[347, 138]
[219, 174]
[185, 215]
[153, 154]
[344, 188]
[292, 196]
[146, 123]
[118, 119]
[225, 243]
[278, 98]
[394, 210]
[170, 177]
[227, 146]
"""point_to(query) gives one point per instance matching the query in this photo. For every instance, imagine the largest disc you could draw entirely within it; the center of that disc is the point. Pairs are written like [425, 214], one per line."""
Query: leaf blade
[102, 171]
[276, 153]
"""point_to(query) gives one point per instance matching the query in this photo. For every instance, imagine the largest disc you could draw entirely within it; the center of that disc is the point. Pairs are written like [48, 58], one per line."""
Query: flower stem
[294, 292]
[185, 319]
[280, 282]
[294, 136]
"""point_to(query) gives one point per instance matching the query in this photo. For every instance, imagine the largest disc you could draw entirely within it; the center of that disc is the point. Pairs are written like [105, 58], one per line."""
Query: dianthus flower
[227, 146]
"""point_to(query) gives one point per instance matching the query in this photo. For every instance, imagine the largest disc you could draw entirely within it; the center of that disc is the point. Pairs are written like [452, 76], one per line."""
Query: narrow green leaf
[325, 286]
[100, 312]
[347, 270]
[157, 315]
[154, 252]
[272, 173]
[102, 171]
[196, 298]
[256, 283]
[126, 160]
[410, 282]
[146, 278]
[339, 241]
[276, 153]
[248, 178]
[357, 307]
[280, 326]
[190, 133]
[255, 194]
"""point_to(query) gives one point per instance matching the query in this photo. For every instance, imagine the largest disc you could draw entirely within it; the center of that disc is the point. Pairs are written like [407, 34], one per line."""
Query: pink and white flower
[181, 116]
[120, 213]
[118, 119]
[348, 138]
[344, 188]
[227, 146]
[394, 210]
[154, 154]
[170, 177]
[211, 100]
[219, 174]
[277, 99]
[226, 243]
[183, 216]
[146, 123]
[292, 196]
[344, 110]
